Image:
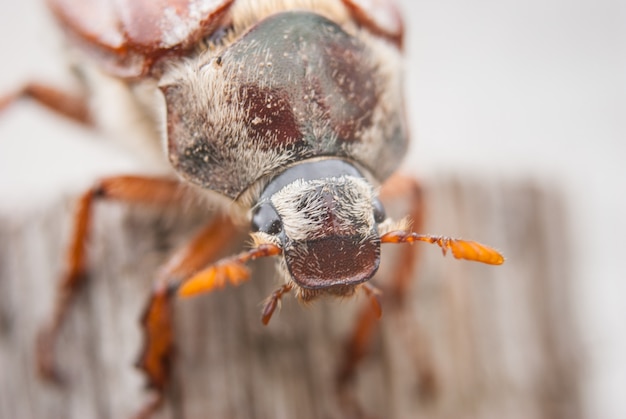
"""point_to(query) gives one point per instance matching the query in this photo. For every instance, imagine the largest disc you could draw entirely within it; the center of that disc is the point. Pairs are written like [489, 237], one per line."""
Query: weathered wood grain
[471, 341]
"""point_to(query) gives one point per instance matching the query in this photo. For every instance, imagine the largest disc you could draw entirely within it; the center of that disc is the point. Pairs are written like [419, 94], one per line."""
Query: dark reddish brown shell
[129, 36]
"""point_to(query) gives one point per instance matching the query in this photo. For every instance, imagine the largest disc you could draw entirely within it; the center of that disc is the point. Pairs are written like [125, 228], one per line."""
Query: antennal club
[231, 269]
[461, 249]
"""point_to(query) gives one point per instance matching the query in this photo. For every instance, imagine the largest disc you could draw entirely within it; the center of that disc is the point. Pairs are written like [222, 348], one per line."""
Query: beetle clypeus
[292, 110]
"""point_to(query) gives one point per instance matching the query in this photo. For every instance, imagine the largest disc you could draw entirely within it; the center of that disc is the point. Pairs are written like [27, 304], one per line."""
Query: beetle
[288, 112]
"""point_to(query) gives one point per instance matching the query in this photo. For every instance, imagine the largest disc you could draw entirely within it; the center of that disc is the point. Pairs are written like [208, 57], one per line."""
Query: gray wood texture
[471, 341]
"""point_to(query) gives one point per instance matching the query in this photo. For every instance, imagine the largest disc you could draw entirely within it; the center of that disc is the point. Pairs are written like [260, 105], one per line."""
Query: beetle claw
[273, 302]
[46, 366]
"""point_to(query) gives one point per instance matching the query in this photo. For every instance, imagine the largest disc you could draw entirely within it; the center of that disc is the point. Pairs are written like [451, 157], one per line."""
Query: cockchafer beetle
[292, 110]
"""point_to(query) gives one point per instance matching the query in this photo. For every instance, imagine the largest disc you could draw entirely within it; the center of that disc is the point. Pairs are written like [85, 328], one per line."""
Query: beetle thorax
[320, 208]
[295, 86]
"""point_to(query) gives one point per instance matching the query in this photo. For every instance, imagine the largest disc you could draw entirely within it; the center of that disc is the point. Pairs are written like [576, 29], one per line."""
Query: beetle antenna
[232, 270]
[461, 249]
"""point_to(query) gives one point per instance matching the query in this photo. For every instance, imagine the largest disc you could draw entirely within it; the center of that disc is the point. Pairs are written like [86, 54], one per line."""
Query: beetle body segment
[294, 87]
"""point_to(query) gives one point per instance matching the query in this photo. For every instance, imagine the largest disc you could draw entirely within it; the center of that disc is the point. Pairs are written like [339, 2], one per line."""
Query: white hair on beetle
[246, 13]
[303, 208]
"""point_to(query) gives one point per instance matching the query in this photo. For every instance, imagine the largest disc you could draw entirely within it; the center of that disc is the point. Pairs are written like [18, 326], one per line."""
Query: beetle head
[324, 214]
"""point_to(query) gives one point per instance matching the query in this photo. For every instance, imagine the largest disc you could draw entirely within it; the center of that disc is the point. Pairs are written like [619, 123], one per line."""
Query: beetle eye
[275, 227]
[267, 220]
[379, 211]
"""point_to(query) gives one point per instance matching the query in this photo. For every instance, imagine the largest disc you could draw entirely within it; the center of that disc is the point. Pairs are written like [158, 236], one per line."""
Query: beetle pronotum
[289, 110]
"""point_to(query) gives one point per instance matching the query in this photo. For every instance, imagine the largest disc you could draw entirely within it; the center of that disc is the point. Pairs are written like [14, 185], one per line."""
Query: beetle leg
[407, 259]
[405, 266]
[374, 295]
[185, 274]
[361, 338]
[71, 106]
[157, 321]
[273, 301]
[130, 189]
[367, 322]
[360, 341]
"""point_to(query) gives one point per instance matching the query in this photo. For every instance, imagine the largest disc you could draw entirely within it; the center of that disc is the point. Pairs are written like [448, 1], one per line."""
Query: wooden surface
[472, 341]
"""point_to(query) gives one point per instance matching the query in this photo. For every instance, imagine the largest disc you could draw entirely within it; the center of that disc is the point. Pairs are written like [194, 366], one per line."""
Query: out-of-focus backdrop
[530, 90]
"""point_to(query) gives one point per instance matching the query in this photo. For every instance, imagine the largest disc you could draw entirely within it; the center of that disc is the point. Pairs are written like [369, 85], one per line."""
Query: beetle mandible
[291, 111]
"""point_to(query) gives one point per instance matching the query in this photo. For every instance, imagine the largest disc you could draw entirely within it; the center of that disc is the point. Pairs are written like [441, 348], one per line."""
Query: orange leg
[130, 189]
[157, 322]
[361, 338]
[360, 341]
[63, 103]
[273, 301]
[185, 274]
[410, 189]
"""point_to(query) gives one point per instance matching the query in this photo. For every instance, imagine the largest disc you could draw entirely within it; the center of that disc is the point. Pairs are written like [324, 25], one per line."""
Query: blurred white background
[537, 89]
[506, 89]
